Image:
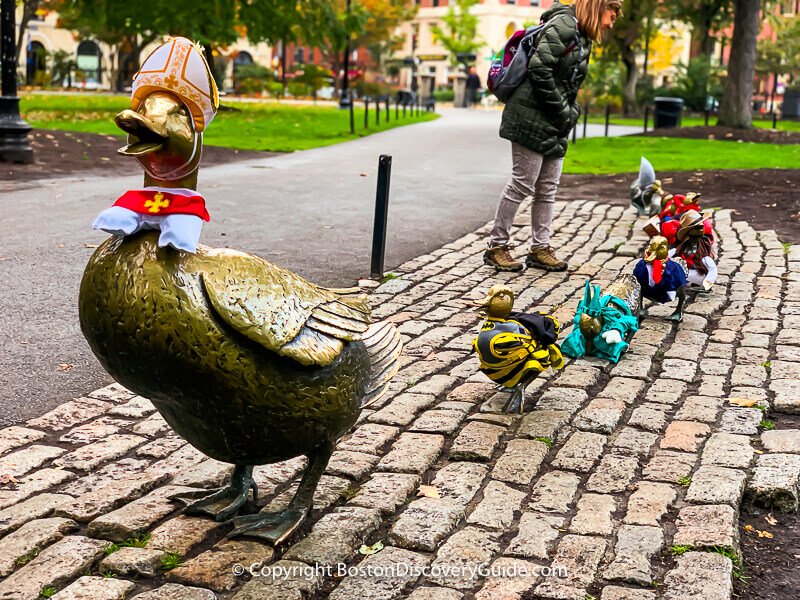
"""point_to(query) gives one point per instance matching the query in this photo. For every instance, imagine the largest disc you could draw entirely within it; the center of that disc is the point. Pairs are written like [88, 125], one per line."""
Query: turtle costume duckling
[605, 322]
[512, 347]
[248, 362]
[662, 278]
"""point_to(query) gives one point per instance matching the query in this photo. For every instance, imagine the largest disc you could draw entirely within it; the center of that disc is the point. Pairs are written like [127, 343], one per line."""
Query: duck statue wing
[280, 310]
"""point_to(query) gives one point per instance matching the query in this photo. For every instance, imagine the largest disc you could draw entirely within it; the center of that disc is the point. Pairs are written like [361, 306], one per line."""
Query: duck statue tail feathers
[384, 346]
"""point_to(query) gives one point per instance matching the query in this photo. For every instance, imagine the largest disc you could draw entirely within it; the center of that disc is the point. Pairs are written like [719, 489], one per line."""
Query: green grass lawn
[622, 154]
[269, 126]
[692, 122]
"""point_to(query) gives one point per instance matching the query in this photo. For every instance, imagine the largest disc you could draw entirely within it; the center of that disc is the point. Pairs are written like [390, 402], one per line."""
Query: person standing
[537, 120]
[473, 85]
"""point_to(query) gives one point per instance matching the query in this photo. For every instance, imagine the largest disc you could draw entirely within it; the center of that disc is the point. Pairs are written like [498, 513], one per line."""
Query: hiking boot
[500, 258]
[545, 258]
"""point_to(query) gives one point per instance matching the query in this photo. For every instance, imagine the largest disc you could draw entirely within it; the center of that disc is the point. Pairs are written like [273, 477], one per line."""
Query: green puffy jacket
[543, 109]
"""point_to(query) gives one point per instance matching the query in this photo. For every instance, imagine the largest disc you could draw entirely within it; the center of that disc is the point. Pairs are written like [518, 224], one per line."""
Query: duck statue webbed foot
[677, 316]
[514, 348]
[225, 502]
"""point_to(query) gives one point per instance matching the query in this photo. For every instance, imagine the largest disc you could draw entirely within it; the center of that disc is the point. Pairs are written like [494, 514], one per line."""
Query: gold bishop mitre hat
[178, 66]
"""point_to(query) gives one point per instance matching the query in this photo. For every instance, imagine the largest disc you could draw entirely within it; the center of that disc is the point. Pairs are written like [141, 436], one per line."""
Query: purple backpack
[509, 68]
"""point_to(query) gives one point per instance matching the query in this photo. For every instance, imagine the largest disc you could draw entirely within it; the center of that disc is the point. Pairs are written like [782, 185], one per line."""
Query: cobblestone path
[625, 481]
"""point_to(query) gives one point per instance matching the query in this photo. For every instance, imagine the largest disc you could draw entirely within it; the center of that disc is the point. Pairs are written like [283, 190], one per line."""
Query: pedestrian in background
[538, 118]
[473, 85]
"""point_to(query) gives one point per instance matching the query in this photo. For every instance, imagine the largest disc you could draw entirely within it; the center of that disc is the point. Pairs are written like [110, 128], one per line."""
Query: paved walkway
[624, 482]
[311, 212]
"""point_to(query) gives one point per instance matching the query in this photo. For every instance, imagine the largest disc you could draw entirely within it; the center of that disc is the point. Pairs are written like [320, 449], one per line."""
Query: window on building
[88, 60]
[789, 7]
[35, 63]
[299, 55]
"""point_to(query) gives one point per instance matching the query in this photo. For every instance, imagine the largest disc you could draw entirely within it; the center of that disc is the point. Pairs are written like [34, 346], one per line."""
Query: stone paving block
[210, 473]
[466, 549]
[370, 438]
[625, 389]
[613, 592]
[520, 461]
[511, 579]
[684, 435]
[594, 515]
[474, 393]
[161, 448]
[105, 499]
[113, 393]
[728, 450]
[355, 465]
[214, 568]
[337, 536]
[151, 426]
[601, 415]
[137, 516]
[635, 547]
[712, 386]
[425, 523]
[580, 452]
[438, 421]
[24, 461]
[70, 414]
[580, 556]
[543, 424]
[329, 492]
[633, 366]
[670, 466]
[700, 576]
[120, 469]
[459, 481]
[40, 506]
[649, 503]
[666, 391]
[394, 582]
[135, 408]
[633, 441]
[782, 441]
[412, 453]
[582, 377]
[14, 437]
[700, 408]
[403, 409]
[145, 562]
[651, 417]
[30, 539]
[56, 566]
[176, 463]
[682, 370]
[787, 395]
[435, 593]
[535, 536]
[613, 474]
[716, 485]
[88, 457]
[181, 534]
[554, 491]
[33, 483]
[741, 420]
[96, 588]
[564, 399]
[774, 482]
[498, 507]
[706, 526]
[293, 581]
[386, 491]
[477, 441]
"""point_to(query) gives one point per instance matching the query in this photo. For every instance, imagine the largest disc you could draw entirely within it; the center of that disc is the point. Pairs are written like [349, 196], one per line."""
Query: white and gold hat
[178, 66]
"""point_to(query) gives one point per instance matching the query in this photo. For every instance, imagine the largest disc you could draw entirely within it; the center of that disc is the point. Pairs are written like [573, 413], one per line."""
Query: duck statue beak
[483, 304]
[145, 135]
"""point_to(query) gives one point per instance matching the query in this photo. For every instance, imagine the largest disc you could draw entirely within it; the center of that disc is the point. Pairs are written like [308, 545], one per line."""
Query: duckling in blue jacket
[662, 278]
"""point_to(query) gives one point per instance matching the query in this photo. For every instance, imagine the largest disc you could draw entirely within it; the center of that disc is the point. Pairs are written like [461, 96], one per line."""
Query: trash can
[667, 112]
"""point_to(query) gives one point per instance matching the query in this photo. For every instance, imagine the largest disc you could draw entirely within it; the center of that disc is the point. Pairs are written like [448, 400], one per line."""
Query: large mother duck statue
[248, 362]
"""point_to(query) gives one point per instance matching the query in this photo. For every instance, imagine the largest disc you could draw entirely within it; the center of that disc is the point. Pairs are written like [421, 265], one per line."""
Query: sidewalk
[616, 469]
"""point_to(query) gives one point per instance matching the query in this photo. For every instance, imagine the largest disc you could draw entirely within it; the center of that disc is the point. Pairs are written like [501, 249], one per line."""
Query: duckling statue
[248, 362]
[667, 222]
[512, 347]
[695, 245]
[662, 278]
[646, 191]
[605, 323]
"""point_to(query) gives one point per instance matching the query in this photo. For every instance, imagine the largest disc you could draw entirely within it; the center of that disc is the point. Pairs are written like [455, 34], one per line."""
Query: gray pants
[531, 175]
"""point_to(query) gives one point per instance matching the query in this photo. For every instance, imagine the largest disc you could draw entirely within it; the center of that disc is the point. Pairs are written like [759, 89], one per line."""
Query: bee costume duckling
[513, 348]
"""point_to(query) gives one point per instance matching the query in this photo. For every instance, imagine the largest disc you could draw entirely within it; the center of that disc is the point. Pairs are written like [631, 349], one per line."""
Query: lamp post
[344, 99]
[14, 144]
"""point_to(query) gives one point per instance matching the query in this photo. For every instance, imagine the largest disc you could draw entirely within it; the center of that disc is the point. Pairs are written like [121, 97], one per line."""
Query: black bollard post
[646, 116]
[352, 114]
[585, 119]
[575, 134]
[774, 118]
[388, 110]
[405, 106]
[377, 112]
[396, 110]
[707, 117]
[366, 112]
[608, 116]
[381, 215]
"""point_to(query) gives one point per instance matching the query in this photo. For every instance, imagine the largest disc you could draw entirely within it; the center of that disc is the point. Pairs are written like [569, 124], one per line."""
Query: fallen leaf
[65, 366]
[7, 479]
[374, 549]
[749, 528]
[363, 174]
[771, 520]
[745, 402]
[91, 245]
[764, 534]
[428, 491]
[758, 451]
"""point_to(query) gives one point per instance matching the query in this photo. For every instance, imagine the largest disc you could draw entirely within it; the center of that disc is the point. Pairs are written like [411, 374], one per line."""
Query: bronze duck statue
[248, 362]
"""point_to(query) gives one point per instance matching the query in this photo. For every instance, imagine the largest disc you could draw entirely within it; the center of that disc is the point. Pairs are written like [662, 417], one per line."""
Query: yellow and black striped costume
[509, 354]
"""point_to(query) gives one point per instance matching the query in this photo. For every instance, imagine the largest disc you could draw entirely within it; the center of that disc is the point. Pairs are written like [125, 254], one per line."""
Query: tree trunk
[28, 12]
[736, 109]
[629, 103]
